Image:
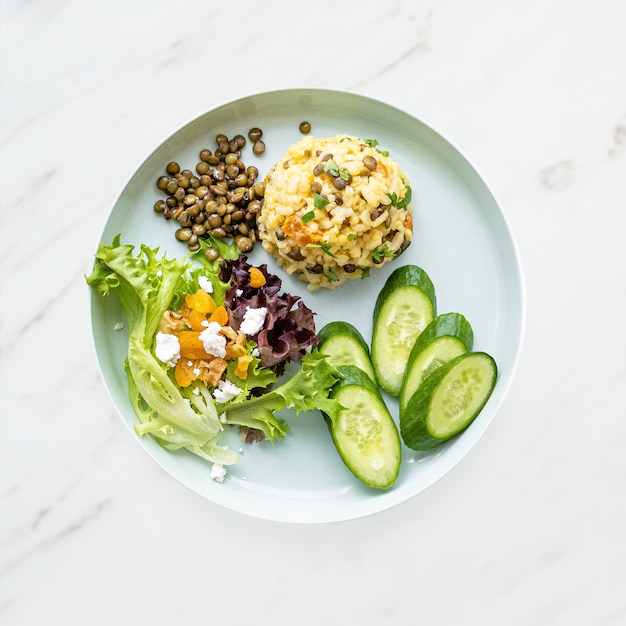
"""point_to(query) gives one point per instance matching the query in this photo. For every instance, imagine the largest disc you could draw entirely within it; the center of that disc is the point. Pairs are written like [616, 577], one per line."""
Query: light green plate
[461, 238]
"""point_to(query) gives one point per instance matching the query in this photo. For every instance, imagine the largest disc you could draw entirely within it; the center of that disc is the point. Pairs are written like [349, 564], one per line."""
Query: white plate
[461, 238]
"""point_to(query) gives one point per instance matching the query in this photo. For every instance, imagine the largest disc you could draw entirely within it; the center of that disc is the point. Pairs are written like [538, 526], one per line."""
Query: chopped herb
[351, 237]
[380, 253]
[323, 245]
[331, 275]
[401, 203]
[334, 170]
[408, 195]
[372, 143]
[365, 272]
[307, 217]
[319, 202]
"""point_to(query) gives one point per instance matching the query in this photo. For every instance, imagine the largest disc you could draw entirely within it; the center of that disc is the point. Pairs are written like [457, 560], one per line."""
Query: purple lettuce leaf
[288, 332]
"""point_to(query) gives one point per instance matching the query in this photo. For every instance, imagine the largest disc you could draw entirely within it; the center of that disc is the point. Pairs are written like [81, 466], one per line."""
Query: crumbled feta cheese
[196, 391]
[167, 348]
[255, 352]
[239, 292]
[253, 320]
[196, 371]
[223, 418]
[213, 342]
[205, 284]
[118, 326]
[218, 472]
[226, 391]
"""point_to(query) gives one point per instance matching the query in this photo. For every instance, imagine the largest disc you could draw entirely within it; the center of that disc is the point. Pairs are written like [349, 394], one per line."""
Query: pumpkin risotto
[334, 209]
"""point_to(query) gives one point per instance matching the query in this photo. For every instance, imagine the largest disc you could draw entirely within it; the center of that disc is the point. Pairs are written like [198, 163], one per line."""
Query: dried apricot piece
[257, 278]
[200, 301]
[183, 372]
[219, 315]
[243, 362]
[191, 346]
[234, 350]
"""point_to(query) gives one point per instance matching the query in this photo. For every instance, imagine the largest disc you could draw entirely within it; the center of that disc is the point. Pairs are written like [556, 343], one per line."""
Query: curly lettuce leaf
[147, 285]
[307, 389]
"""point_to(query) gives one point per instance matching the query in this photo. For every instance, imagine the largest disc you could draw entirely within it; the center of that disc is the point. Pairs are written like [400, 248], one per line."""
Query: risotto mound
[334, 209]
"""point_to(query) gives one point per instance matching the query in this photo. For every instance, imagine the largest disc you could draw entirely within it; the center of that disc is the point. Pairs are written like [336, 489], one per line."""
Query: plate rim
[390, 501]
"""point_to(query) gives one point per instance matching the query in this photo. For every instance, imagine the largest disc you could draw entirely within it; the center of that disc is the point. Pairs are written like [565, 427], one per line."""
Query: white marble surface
[529, 529]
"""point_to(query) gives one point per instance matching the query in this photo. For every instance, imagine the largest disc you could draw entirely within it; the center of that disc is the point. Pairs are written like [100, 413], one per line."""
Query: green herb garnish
[319, 202]
[372, 143]
[331, 275]
[307, 217]
[380, 253]
[401, 203]
[334, 170]
[323, 245]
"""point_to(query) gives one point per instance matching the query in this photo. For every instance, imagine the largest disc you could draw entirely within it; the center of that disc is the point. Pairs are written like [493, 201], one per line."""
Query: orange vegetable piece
[296, 230]
[183, 372]
[196, 319]
[219, 315]
[234, 350]
[191, 346]
[200, 301]
[257, 278]
[243, 362]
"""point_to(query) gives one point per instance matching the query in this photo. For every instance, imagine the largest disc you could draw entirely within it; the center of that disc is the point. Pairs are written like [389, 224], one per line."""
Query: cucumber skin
[406, 275]
[444, 325]
[413, 423]
[346, 329]
[400, 277]
[354, 376]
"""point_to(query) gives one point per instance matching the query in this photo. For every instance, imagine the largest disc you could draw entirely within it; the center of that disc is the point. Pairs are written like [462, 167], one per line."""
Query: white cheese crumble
[213, 342]
[226, 391]
[253, 320]
[255, 352]
[205, 284]
[223, 418]
[167, 348]
[239, 292]
[218, 472]
[118, 326]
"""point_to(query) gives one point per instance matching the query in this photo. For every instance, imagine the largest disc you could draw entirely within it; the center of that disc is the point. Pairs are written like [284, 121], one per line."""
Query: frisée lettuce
[149, 285]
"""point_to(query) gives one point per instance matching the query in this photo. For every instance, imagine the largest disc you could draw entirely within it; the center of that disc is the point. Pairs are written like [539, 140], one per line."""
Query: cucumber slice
[447, 336]
[448, 400]
[364, 433]
[344, 345]
[404, 307]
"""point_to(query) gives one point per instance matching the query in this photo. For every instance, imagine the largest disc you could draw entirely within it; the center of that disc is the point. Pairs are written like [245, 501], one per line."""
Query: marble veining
[528, 529]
